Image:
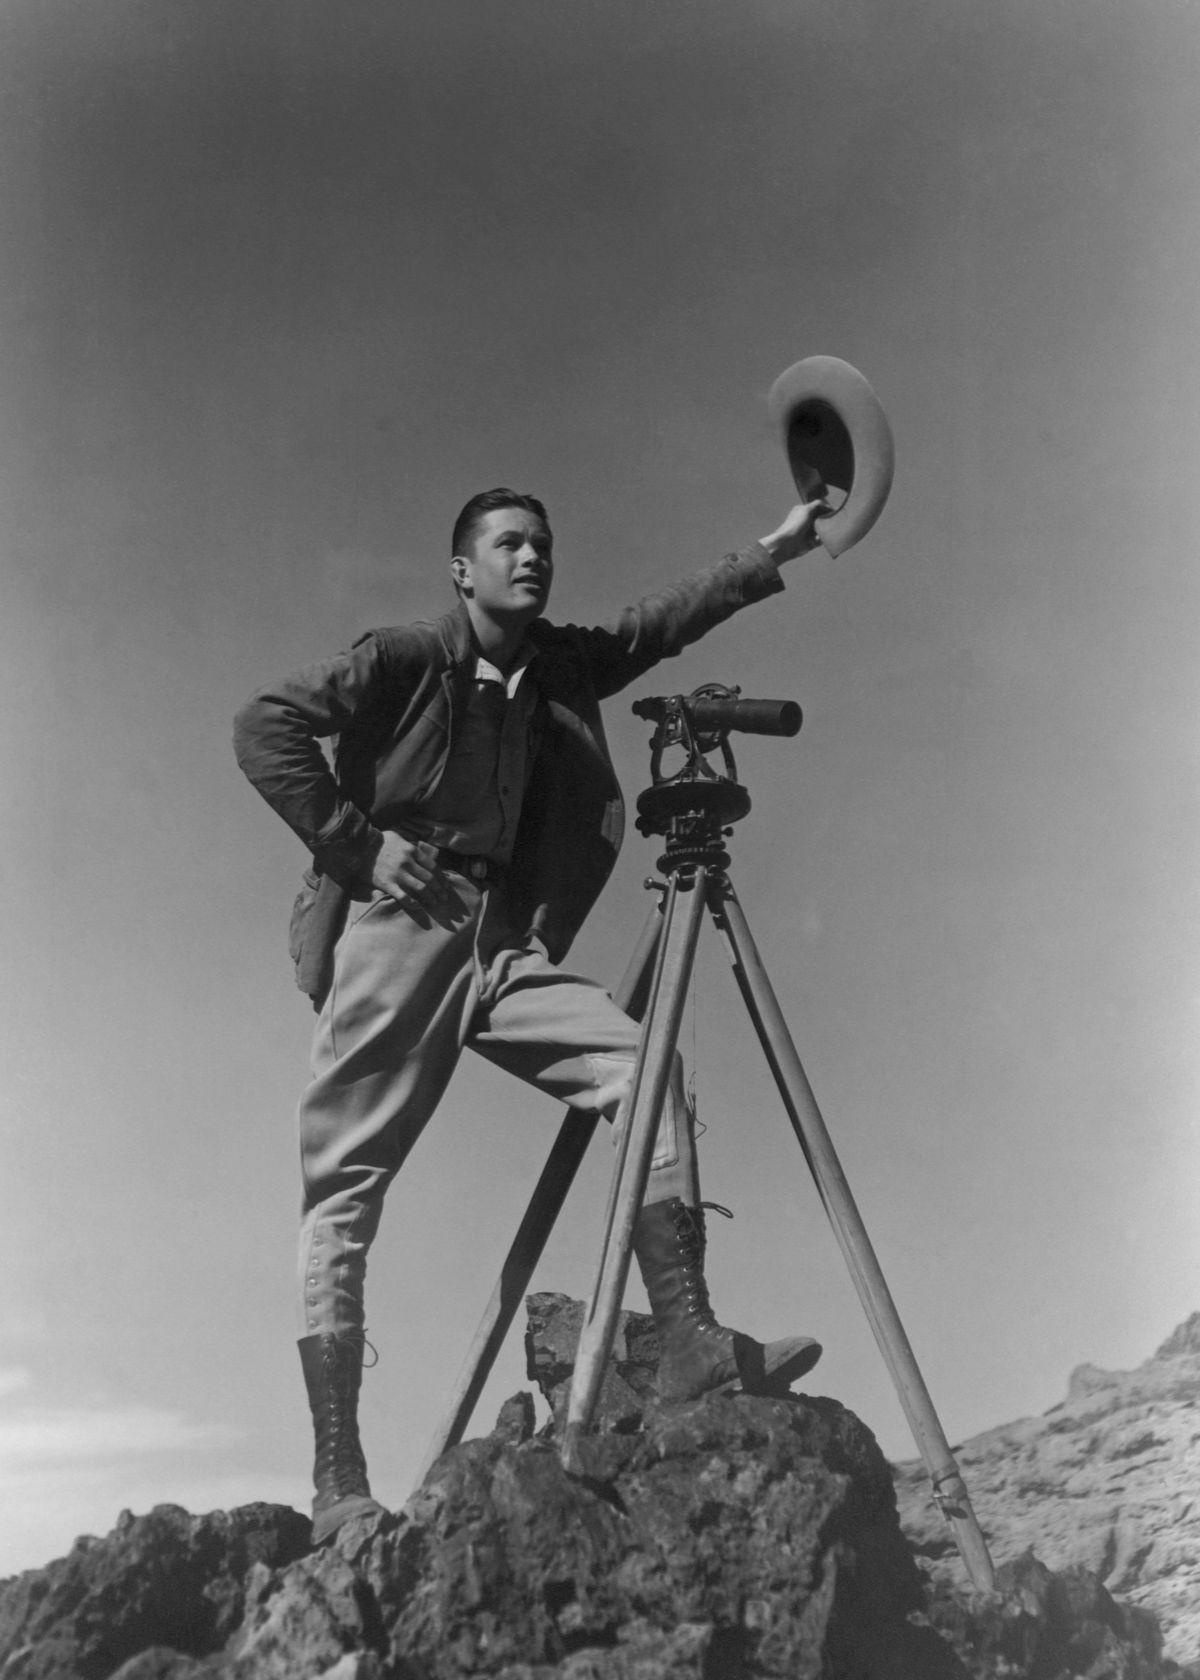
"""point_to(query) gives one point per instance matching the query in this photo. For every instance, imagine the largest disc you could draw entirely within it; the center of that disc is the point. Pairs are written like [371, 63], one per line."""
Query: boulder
[722, 1539]
[167, 1580]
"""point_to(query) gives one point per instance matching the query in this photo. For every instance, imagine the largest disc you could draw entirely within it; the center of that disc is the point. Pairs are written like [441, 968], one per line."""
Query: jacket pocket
[318, 917]
[302, 910]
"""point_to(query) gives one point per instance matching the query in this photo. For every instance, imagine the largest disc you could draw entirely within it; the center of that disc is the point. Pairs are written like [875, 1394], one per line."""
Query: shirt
[477, 804]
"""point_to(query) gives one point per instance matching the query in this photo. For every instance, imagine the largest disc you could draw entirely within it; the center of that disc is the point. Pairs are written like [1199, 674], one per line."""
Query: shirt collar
[485, 671]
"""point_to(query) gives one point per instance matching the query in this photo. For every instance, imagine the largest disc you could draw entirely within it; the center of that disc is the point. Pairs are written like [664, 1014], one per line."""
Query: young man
[472, 817]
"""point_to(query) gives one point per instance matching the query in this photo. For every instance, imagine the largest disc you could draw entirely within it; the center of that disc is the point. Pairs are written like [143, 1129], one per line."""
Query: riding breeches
[408, 993]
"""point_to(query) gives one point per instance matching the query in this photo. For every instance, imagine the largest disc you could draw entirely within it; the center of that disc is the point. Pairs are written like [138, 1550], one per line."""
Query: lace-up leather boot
[332, 1374]
[696, 1354]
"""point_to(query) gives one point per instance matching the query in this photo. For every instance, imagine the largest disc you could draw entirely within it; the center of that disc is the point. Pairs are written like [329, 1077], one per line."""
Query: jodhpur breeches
[408, 994]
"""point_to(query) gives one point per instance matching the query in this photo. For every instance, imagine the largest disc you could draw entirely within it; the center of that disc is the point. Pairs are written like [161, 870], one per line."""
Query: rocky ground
[1108, 1480]
[724, 1539]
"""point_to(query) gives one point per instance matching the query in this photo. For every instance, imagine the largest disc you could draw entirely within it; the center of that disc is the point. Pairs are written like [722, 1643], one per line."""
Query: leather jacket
[391, 700]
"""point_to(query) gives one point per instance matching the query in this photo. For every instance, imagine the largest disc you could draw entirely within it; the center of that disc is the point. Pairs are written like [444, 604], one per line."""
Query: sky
[281, 285]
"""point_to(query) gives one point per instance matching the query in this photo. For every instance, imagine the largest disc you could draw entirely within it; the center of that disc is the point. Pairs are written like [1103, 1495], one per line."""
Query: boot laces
[689, 1229]
[342, 1465]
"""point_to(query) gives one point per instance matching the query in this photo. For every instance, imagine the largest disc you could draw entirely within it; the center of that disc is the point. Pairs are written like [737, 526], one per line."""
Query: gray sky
[282, 285]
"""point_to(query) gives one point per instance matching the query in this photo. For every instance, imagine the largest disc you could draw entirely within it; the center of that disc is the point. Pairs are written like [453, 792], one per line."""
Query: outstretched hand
[797, 535]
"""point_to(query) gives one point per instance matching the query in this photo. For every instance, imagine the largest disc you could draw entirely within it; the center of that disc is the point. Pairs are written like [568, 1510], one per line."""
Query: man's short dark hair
[490, 501]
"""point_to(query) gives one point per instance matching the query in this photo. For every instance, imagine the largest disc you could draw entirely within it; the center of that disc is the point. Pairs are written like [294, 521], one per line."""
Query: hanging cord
[361, 1336]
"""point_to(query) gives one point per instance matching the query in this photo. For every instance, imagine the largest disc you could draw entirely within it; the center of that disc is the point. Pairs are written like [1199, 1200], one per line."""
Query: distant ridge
[1108, 1479]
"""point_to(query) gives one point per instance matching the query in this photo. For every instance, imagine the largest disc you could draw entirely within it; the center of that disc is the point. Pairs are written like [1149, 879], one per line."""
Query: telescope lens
[749, 717]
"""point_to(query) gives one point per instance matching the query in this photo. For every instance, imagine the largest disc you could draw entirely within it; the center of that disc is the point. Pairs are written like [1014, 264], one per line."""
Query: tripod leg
[545, 1205]
[676, 954]
[948, 1486]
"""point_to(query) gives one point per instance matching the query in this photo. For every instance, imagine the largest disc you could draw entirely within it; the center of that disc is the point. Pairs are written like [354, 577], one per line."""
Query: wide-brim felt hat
[835, 435]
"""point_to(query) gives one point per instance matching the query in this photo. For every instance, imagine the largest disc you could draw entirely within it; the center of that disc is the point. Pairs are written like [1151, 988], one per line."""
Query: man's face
[508, 567]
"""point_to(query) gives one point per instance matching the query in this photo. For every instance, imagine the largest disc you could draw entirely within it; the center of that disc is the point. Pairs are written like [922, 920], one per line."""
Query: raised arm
[663, 624]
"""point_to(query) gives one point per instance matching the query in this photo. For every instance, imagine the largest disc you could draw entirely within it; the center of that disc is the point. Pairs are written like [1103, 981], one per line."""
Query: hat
[836, 434]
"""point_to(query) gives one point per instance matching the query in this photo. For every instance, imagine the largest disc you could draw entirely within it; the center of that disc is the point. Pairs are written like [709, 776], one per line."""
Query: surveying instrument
[826, 408]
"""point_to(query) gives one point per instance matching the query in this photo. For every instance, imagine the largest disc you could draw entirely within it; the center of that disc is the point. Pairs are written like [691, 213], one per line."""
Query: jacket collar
[454, 629]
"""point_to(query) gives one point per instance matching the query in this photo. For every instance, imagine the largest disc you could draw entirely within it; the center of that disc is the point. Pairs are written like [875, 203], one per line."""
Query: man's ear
[459, 572]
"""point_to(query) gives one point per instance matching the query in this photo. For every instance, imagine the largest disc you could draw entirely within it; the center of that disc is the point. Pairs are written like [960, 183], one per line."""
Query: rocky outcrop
[163, 1580]
[723, 1539]
[1107, 1481]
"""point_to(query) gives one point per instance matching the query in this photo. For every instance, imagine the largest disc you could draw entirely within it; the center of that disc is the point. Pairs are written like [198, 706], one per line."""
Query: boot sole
[769, 1370]
[775, 1375]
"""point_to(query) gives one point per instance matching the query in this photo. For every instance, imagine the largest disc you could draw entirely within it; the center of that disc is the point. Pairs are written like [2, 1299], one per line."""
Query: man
[470, 821]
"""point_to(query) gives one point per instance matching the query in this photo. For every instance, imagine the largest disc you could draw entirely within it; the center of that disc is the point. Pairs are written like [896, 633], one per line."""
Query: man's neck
[498, 642]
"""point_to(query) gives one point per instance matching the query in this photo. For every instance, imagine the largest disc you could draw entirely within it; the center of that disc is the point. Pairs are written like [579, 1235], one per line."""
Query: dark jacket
[391, 701]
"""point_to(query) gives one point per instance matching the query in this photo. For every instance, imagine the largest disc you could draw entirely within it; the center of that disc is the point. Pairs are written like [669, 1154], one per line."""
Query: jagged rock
[1183, 1340]
[729, 1538]
[1106, 1481]
[765, 1526]
[167, 1579]
[160, 1662]
[1043, 1624]
[516, 1419]
[551, 1337]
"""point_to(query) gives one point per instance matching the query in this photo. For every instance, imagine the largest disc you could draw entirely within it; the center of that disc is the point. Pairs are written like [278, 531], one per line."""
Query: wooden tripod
[691, 810]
